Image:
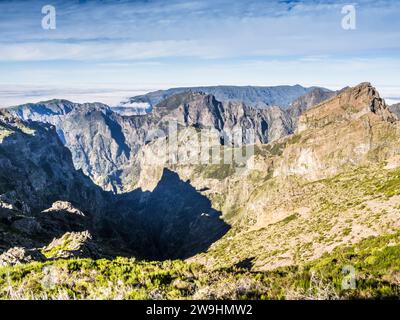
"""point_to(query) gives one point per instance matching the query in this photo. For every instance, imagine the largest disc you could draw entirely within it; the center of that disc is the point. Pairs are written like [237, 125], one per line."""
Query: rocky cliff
[395, 108]
[50, 210]
[300, 188]
[105, 144]
[334, 181]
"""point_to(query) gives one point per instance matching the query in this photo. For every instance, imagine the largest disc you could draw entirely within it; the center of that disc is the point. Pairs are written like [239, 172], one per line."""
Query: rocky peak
[64, 206]
[350, 104]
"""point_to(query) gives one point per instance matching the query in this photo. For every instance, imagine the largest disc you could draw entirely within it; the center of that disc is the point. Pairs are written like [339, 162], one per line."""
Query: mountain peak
[351, 103]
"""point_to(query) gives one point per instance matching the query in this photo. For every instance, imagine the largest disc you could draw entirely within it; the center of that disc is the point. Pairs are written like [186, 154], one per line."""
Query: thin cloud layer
[163, 43]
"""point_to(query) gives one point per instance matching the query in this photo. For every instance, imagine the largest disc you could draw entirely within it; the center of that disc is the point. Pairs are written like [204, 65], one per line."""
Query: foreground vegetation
[376, 262]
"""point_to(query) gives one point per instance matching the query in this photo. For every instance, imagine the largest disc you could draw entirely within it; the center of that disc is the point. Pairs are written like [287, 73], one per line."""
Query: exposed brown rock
[19, 255]
[351, 104]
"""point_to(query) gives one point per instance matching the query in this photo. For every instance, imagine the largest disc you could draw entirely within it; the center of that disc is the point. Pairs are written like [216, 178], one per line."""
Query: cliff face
[105, 144]
[345, 130]
[310, 99]
[395, 108]
[351, 104]
[36, 169]
[333, 181]
[301, 195]
[42, 196]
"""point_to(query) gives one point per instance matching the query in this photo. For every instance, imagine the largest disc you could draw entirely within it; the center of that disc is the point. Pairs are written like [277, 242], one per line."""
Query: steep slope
[37, 173]
[375, 261]
[310, 99]
[333, 182]
[395, 108]
[36, 169]
[91, 133]
[105, 144]
[253, 96]
[48, 207]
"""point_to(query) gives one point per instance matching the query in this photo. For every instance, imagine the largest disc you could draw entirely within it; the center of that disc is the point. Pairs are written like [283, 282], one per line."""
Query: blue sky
[104, 50]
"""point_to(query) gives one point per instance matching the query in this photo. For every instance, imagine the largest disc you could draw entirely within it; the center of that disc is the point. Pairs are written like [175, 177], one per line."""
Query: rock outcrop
[351, 104]
[72, 245]
[310, 99]
[19, 255]
[37, 170]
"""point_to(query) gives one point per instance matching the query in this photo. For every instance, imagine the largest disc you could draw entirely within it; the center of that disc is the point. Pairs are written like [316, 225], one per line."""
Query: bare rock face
[19, 255]
[351, 104]
[105, 145]
[303, 103]
[349, 129]
[64, 206]
[188, 209]
[72, 245]
[395, 108]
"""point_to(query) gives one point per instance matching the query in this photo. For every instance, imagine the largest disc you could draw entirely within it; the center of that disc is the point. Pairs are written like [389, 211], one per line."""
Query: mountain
[319, 196]
[252, 96]
[92, 132]
[395, 108]
[105, 143]
[307, 101]
[333, 182]
[48, 209]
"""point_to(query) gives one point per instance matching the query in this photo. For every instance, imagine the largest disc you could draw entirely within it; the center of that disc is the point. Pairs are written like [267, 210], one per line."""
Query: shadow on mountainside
[174, 221]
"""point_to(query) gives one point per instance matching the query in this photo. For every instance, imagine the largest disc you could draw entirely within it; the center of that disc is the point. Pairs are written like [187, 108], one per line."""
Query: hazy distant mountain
[310, 99]
[253, 96]
[395, 108]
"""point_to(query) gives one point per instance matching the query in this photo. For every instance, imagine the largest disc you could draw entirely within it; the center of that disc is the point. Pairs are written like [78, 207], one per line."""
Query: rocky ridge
[294, 185]
[105, 144]
[304, 185]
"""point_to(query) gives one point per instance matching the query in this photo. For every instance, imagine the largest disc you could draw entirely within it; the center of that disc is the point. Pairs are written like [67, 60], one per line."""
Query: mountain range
[105, 143]
[252, 96]
[320, 190]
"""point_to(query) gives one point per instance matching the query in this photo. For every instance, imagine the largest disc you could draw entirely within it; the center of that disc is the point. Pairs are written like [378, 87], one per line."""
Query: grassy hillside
[376, 262]
[292, 221]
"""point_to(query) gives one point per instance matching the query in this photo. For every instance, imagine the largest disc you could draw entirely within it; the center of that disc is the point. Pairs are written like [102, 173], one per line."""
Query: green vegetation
[391, 186]
[376, 262]
[215, 171]
[54, 251]
[4, 133]
[290, 218]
